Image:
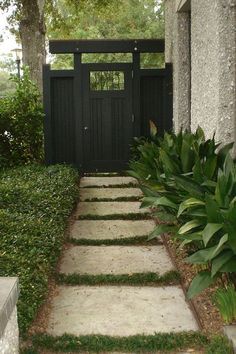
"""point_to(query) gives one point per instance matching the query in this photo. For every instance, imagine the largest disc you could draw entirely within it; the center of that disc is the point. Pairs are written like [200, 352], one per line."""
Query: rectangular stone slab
[109, 208]
[96, 260]
[111, 229]
[120, 311]
[106, 181]
[109, 193]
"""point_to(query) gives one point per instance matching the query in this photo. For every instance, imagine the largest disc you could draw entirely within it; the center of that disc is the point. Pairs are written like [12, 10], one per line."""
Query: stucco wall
[213, 69]
[177, 52]
[9, 342]
[213, 63]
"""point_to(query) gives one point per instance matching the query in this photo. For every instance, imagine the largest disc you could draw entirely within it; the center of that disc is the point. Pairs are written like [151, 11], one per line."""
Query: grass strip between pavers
[130, 216]
[105, 174]
[118, 199]
[164, 342]
[169, 278]
[135, 240]
[124, 185]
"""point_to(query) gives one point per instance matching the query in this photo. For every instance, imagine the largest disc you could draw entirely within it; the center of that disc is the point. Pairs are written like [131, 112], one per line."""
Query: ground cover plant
[192, 183]
[35, 202]
[163, 342]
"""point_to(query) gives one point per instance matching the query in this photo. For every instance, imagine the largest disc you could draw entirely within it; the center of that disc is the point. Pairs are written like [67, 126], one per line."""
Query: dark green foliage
[195, 185]
[170, 278]
[35, 203]
[137, 344]
[21, 124]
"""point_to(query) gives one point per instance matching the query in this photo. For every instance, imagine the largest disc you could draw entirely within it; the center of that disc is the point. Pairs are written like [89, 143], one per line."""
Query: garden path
[112, 282]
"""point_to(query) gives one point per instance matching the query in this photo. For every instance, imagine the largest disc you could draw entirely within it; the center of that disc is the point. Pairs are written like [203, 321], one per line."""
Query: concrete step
[109, 193]
[106, 181]
[109, 208]
[94, 260]
[111, 229]
[119, 311]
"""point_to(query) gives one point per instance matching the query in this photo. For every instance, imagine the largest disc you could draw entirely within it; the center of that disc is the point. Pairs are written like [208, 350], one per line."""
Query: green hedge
[35, 202]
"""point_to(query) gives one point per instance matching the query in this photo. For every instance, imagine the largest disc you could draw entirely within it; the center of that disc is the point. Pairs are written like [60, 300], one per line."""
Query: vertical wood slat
[63, 124]
[152, 107]
[48, 148]
[136, 95]
[78, 111]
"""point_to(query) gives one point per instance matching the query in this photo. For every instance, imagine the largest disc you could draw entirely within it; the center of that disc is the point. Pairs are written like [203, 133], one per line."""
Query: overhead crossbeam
[107, 46]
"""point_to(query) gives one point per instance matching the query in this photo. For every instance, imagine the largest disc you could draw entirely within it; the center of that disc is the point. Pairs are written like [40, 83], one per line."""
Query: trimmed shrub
[35, 202]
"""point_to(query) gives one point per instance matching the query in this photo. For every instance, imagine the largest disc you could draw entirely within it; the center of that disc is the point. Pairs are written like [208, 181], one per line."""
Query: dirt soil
[206, 312]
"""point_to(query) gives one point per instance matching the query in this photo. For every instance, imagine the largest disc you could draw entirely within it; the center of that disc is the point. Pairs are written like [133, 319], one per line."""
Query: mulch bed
[207, 313]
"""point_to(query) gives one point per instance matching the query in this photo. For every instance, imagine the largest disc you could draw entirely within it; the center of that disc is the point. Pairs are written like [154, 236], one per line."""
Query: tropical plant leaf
[196, 236]
[201, 281]
[188, 204]
[190, 186]
[161, 229]
[209, 231]
[163, 201]
[210, 166]
[221, 260]
[230, 266]
[192, 224]
[213, 210]
[165, 217]
[199, 257]
[148, 192]
[187, 157]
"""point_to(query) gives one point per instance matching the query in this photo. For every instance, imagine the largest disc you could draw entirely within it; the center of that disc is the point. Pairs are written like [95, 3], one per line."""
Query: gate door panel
[107, 117]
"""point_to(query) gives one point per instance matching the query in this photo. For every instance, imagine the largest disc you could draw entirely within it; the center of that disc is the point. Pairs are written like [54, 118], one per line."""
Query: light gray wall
[213, 58]
[213, 70]
[177, 52]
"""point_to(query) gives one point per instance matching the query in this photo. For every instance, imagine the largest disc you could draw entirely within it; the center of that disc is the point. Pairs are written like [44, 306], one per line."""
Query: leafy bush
[21, 123]
[194, 187]
[35, 202]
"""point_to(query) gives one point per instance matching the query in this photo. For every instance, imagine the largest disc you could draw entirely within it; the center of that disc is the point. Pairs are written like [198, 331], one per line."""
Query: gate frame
[79, 47]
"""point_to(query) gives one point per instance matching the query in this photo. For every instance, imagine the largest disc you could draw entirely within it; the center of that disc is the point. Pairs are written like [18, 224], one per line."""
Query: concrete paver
[111, 229]
[106, 181]
[96, 260]
[109, 193]
[109, 208]
[119, 311]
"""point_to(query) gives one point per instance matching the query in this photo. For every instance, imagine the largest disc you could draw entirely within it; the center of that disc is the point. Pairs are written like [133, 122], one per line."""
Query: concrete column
[213, 68]
[177, 39]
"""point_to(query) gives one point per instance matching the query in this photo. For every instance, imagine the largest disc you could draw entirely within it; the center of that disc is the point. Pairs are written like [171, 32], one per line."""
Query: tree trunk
[32, 34]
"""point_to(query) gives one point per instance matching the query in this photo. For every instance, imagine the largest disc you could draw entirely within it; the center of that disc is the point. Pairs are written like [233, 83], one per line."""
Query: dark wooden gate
[93, 111]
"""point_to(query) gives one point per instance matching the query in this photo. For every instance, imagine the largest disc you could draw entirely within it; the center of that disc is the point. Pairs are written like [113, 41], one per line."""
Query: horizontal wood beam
[107, 46]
